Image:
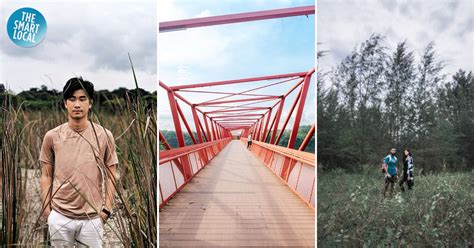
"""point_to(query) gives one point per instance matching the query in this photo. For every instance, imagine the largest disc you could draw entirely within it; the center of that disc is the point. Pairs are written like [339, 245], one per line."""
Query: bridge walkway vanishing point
[236, 201]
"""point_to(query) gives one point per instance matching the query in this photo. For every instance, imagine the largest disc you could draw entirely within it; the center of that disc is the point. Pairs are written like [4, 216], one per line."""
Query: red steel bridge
[216, 192]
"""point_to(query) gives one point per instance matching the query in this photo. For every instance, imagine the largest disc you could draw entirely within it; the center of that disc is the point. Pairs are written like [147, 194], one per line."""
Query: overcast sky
[449, 23]
[234, 51]
[84, 38]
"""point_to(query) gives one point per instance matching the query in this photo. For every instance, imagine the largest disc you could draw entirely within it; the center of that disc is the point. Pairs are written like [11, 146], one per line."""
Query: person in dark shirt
[407, 170]
[249, 141]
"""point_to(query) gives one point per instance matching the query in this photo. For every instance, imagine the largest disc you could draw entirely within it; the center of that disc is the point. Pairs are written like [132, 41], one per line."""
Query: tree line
[43, 98]
[170, 137]
[378, 98]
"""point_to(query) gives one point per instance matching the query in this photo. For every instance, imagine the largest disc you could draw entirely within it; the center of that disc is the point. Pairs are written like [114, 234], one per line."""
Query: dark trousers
[249, 144]
[405, 179]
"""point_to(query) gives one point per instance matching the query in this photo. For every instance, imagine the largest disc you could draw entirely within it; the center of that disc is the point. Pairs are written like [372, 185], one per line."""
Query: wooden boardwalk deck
[236, 201]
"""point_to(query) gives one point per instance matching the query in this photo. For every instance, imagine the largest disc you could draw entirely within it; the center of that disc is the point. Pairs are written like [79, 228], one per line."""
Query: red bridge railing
[251, 112]
[174, 174]
[295, 168]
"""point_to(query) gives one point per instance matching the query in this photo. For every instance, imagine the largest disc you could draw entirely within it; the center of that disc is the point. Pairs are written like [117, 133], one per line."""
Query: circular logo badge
[26, 27]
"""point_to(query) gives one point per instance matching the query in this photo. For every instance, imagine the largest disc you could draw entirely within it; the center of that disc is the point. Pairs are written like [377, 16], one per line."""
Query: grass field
[134, 221]
[135, 213]
[438, 212]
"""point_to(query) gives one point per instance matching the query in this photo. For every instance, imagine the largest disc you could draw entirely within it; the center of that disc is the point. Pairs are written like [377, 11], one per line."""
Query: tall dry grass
[437, 212]
[134, 220]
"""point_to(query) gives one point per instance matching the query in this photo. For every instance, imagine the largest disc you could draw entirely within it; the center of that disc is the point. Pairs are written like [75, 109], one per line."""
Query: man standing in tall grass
[78, 172]
[390, 163]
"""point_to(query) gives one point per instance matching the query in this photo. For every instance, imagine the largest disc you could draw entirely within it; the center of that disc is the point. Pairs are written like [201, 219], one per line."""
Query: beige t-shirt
[78, 159]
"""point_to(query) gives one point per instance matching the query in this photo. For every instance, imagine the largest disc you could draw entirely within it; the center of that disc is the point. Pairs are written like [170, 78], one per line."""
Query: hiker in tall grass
[407, 170]
[390, 169]
[78, 172]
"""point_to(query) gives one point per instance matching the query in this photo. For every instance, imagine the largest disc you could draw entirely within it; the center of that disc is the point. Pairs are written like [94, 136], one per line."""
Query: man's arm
[385, 166]
[46, 184]
[109, 195]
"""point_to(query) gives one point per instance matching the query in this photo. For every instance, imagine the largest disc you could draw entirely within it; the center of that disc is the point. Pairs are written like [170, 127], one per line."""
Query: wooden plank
[236, 201]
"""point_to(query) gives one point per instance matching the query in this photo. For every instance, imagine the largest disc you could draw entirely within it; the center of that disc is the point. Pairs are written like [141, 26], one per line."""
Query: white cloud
[92, 41]
[343, 24]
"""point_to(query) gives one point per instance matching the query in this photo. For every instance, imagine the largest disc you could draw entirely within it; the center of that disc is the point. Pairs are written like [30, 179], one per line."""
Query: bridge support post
[190, 132]
[288, 165]
[298, 96]
[264, 134]
[184, 165]
[307, 138]
[196, 123]
[277, 120]
[207, 128]
[299, 111]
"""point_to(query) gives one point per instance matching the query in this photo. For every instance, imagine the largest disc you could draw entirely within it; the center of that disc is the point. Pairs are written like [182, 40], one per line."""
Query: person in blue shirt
[390, 163]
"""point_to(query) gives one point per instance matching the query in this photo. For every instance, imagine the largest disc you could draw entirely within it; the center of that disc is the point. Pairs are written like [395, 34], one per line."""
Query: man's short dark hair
[77, 83]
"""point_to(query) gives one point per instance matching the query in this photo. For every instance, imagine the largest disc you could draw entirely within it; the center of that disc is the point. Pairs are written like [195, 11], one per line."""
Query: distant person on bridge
[407, 170]
[249, 141]
[390, 169]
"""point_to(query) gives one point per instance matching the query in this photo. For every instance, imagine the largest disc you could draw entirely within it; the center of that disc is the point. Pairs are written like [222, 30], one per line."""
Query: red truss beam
[243, 120]
[183, 99]
[277, 120]
[259, 129]
[266, 126]
[213, 128]
[237, 121]
[210, 106]
[238, 100]
[202, 128]
[288, 117]
[236, 115]
[256, 119]
[223, 93]
[234, 128]
[307, 139]
[175, 115]
[241, 111]
[294, 87]
[235, 18]
[255, 112]
[299, 111]
[197, 124]
[190, 132]
[237, 125]
[167, 88]
[255, 89]
[248, 104]
[204, 117]
[165, 142]
[237, 81]
[236, 110]
[269, 129]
